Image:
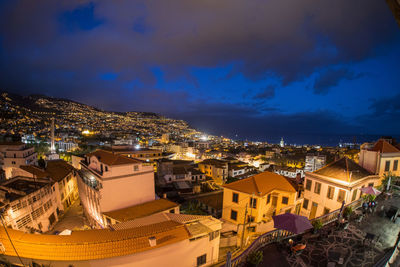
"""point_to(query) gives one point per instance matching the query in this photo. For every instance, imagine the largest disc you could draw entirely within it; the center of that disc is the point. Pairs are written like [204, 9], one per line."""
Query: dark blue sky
[252, 68]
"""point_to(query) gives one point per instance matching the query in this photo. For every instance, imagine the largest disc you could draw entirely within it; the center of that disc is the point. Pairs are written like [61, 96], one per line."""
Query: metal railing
[278, 235]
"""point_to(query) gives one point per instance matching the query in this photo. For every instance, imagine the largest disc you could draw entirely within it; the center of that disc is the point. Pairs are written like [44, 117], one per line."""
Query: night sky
[255, 69]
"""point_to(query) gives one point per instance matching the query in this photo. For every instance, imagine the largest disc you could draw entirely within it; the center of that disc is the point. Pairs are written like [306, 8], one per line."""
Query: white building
[314, 162]
[15, 154]
[109, 182]
[31, 204]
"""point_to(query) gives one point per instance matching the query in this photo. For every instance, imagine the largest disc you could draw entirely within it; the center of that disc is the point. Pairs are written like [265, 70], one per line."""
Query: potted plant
[255, 258]
[347, 212]
[317, 224]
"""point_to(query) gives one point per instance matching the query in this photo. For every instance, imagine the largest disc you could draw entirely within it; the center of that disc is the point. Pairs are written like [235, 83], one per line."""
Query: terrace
[369, 242]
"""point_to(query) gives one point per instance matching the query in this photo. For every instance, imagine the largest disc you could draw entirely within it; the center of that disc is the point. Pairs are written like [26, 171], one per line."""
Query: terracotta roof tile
[344, 169]
[110, 158]
[261, 184]
[92, 244]
[141, 210]
[384, 147]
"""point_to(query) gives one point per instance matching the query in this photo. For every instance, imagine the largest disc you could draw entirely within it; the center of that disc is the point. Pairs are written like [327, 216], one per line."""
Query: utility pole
[244, 226]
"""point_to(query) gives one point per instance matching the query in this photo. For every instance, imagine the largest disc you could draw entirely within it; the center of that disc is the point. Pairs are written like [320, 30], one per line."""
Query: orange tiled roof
[344, 169]
[55, 169]
[92, 244]
[261, 184]
[384, 147]
[141, 210]
[110, 158]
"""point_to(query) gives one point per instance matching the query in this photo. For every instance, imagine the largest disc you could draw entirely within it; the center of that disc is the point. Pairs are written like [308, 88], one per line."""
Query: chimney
[153, 241]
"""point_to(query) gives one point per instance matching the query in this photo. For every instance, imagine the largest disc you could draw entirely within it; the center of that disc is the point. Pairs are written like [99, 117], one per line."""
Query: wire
[9, 238]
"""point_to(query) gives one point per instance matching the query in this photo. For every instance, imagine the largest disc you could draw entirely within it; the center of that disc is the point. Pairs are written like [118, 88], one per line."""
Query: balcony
[89, 179]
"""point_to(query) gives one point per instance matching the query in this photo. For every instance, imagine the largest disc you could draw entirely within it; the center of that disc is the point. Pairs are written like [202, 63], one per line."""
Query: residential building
[158, 240]
[31, 204]
[380, 158]
[15, 154]
[257, 198]
[314, 162]
[105, 174]
[60, 172]
[215, 169]
[327, 188]
[288, 171]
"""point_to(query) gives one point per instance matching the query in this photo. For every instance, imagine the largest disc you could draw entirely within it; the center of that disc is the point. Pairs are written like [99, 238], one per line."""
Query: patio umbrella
[292, 223]
[370, 190]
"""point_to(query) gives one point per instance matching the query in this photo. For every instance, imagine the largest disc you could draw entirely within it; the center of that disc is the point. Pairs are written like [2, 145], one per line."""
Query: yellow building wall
[332, 204]
[382, 162]
[262, 212]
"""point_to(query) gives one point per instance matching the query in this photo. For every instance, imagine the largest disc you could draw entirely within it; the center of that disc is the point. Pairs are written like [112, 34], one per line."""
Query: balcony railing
[278, 235]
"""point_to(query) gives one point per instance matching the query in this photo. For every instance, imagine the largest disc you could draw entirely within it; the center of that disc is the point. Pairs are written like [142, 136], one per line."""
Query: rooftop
[383, 146]
[21, 186]
[55, 169]
[344, 169]
[92, 244]
[141, 210]
[109, 158]
[261, 184]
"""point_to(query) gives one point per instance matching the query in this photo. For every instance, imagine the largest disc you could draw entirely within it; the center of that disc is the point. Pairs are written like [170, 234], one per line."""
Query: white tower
[52, 146]
[282, 143]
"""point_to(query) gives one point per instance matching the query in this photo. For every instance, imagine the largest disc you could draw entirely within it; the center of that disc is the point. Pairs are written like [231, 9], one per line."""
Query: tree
[255, 258]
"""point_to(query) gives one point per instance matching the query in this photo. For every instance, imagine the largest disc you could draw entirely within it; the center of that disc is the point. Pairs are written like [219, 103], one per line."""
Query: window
[341, 195]
[234, 215]
[201, 260]
[250, 219]
[371, 184]
[213, 235]
[13, 162]
[317, 188]
[288, 211]
[172, 211]
[354, 195]
[331, 191]
[387, 166]
[305, 203]
[106, 168]
[308, 185]
[268, 198]
[326, 211]
[108, 221]
[136, 168]
[235, 197]
[395, 165]
[285, 200]
[253, 203]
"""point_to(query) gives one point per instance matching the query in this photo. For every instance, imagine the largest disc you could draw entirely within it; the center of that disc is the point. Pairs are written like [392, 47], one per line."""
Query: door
[313, 212]
[298, 207]
[274, 201]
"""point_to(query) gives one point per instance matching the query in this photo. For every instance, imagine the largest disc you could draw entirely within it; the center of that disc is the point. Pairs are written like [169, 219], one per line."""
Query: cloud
[267, 93]
[331, 78]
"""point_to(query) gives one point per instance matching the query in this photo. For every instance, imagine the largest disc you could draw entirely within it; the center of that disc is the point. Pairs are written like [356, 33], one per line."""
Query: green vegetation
[347, 212]
[255, 258]
[317, 224]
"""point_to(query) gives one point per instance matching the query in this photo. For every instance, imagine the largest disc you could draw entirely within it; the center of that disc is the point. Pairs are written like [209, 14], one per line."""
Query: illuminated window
[331, 192]
[305, 203]
[235, 197]
[308, 185]
[136, 168]
[317, 188]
